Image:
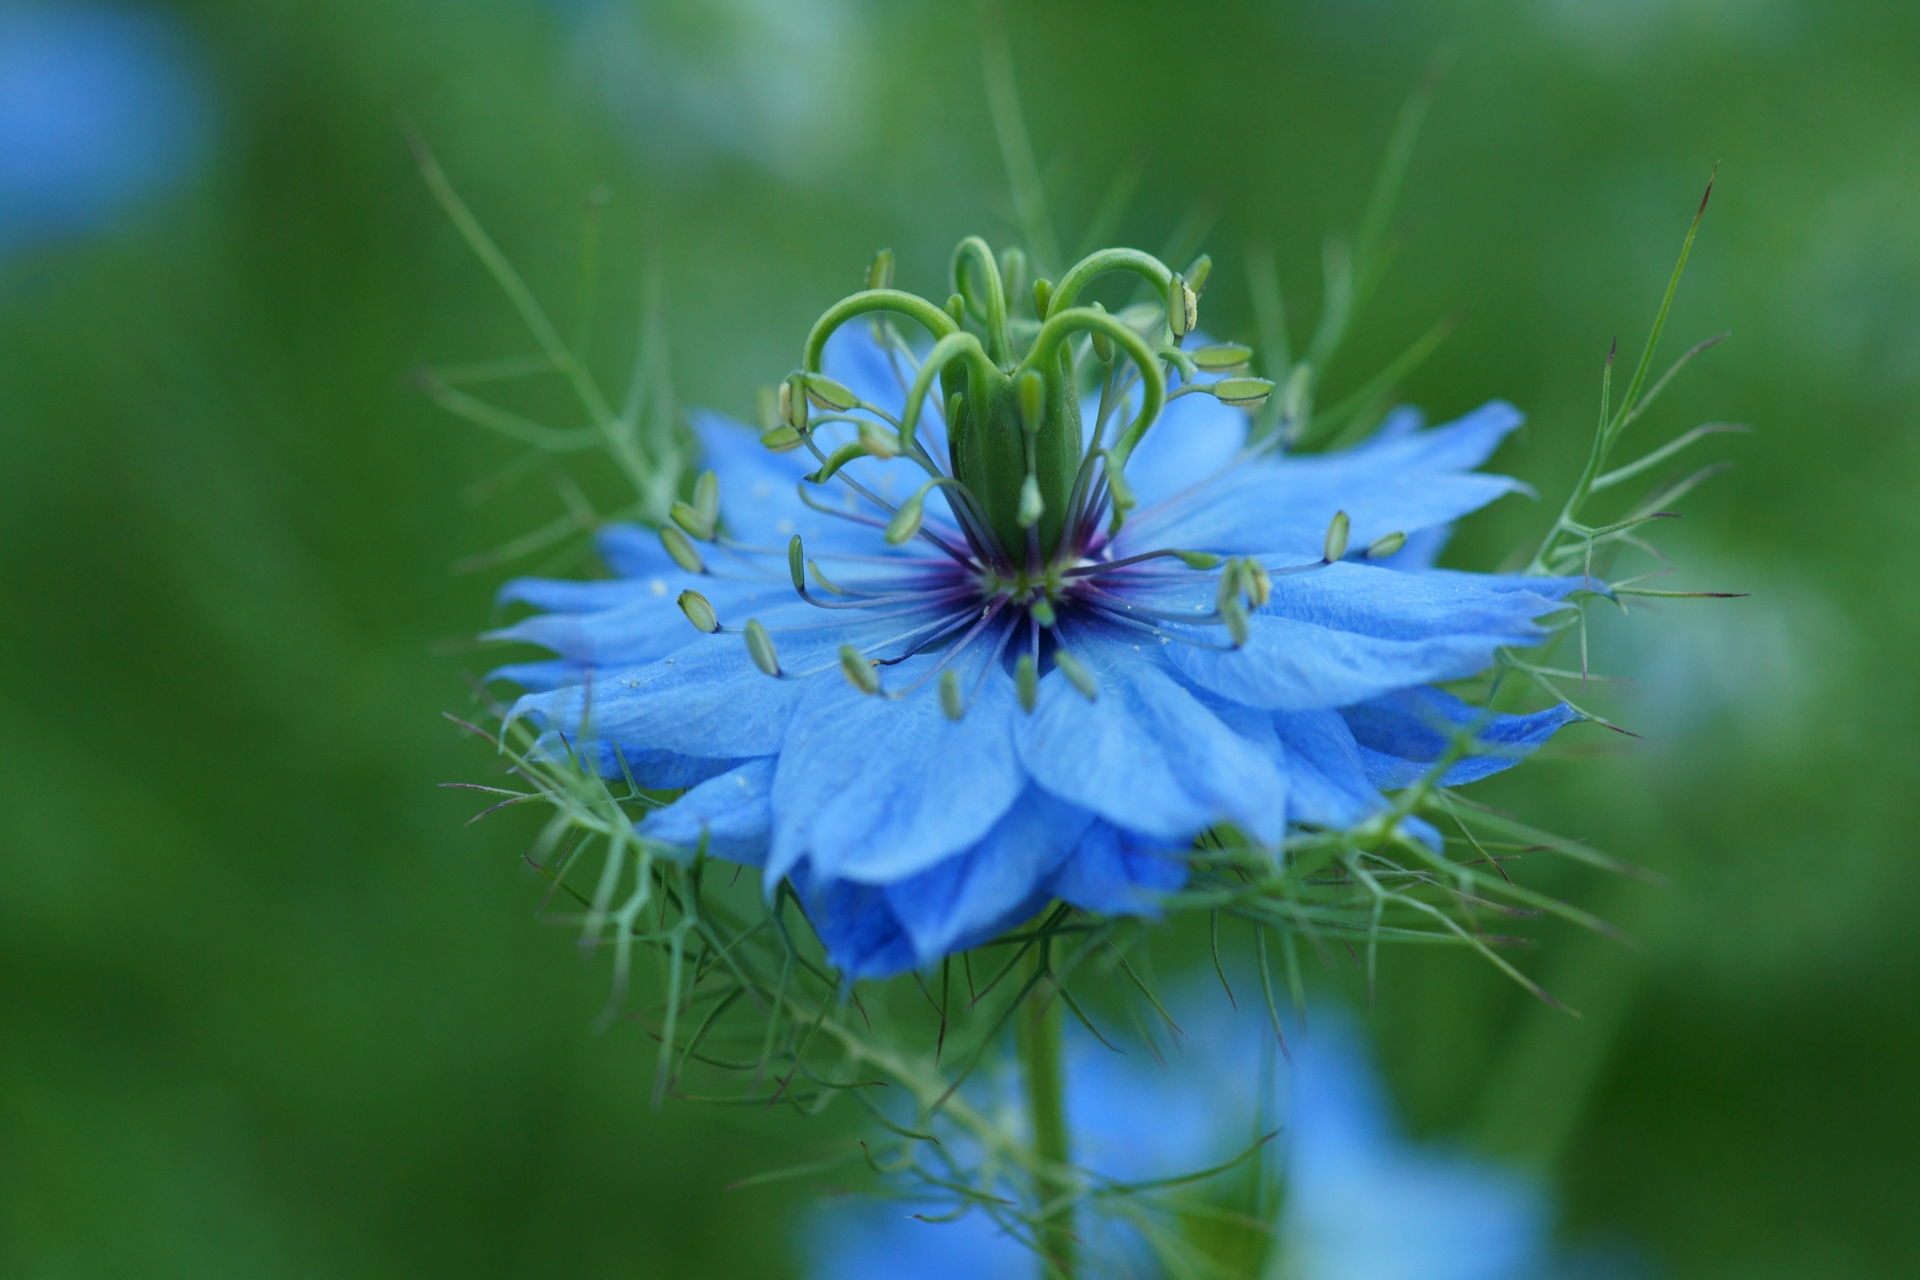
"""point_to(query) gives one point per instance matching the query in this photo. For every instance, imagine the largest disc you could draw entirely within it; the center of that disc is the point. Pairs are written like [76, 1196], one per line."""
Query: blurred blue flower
[961, 800]
[1360, 1202]
[98, 110]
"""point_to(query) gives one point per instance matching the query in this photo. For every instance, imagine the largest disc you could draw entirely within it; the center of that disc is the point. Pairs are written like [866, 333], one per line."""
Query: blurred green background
[268, 1008]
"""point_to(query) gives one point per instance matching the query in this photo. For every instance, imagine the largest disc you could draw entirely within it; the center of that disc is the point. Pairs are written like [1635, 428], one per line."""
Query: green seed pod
[1026, 682]
[681, 549]
[760, 648]
[1381, 548]
[880, 441]
[1078, 676]
[951, 700]
[1244, 392]
[698, 612]
[706, 497]
[696, 525]
[1197, 272]
[1337, 530]
[782, 439]
[1032, 395]
[858, 671]
[828, 394]
[1032, 506]
[797, 564]
[1222, 356]
[880, 273]
[1042, 297]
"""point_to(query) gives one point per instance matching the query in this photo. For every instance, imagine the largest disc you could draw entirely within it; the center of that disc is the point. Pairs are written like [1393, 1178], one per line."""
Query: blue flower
[932, 735]
[1360, 1203]
[97, 109]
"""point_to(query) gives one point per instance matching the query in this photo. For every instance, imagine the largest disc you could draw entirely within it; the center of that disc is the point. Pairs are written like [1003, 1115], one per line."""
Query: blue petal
[1282, 505]
[876, 790]
[1115, 873]
[1146, 754]
[644, 626]
[1402, 734]
[975, 895]
[631, 550]
[1195, 439]
[1348, 633]
[862, 936]
[1326, 776]
[732, 812]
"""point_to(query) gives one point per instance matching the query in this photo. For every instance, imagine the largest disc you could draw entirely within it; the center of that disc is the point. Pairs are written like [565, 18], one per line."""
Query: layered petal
[1401, 735]
[732, 813]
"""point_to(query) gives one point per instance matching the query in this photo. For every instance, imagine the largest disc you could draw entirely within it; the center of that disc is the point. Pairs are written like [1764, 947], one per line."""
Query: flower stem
[1037, 1039]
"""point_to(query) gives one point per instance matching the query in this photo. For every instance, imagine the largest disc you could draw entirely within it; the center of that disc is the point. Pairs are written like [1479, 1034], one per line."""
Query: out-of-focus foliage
[269, 1009]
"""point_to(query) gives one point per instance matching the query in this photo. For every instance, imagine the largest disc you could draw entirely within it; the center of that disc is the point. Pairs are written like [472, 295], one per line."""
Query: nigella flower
[965, 640]
[1359, 1202]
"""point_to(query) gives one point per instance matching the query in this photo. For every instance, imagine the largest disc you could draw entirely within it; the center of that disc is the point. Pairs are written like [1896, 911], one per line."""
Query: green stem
[1037, 1038]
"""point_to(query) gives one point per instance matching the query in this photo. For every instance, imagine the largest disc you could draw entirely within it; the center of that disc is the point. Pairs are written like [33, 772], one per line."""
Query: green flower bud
[698, 612]
[706, 497]
[797, 564]
[858, 671]
[1042, 611]
[793, 403]
[1078, 676]
[880, 441]
[1042, 296]
[1197, 272]
[696, 525]
[760, 648]
[1026, 682]
[956, 308]
[1381, 548]
[1222, 356]
[951, 700]
[782, 439]
[1032, 506]
[1337, 529]
[828, 394]
[880, 273]
[1244, 392]
[681, 549]
[1032, 395]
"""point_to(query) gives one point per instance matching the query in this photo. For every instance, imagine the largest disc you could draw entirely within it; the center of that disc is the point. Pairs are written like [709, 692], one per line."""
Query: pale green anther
[1337, 530]
[880, 441]
[858, 671]
[1296, 402]
[1031, 390]
[1102, 344]
[768, 402]
[1257, 582]
[706, 497]
[951, 701]
[1222, 356]
[1235, 615]
[1032, 505]
[1042, 295]
[880, 274]
[906, 521]
[699, 612]
[1042, 611]
[1197, 272]
[793, 403]
[797, 564]
[1078, 676]
[1179, 307]
[829, 394]
[956, 308]
[782, 439]
[1013, 271]
[1199, 559]
[1245, 392]
[1026, 682]
[760, 648]
[1228, 590]
[680, 547]
[1381, 548]
[696, 525]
